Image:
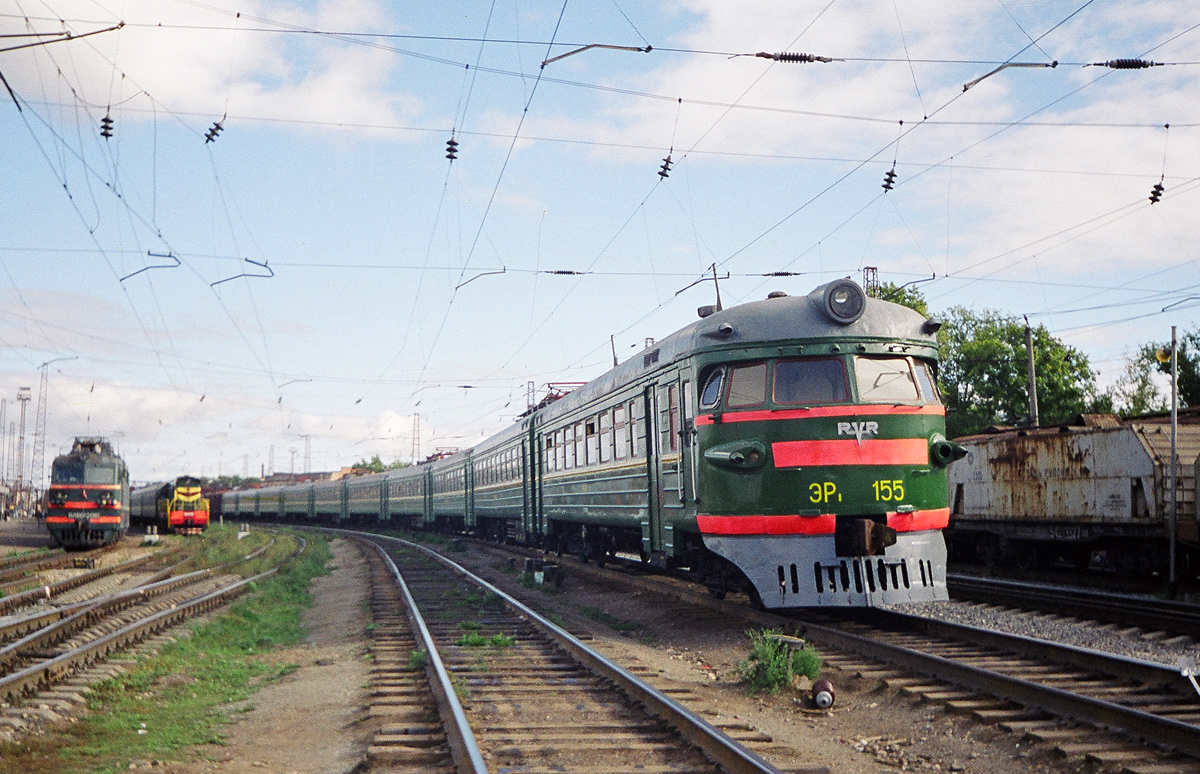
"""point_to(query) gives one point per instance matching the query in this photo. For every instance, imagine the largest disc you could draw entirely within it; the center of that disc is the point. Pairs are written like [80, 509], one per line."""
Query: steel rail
[464, 748]
[86, 614]
[1179, 735]
[1160, 614]
[1160, 730]
[15, 573]
[17, 559]
[43, 674]
[718, 747]
[51, 590]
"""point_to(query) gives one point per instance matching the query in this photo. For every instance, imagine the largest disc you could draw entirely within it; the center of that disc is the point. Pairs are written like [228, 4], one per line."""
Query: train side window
[747, 386]
[810, 381]
[548, 459]
[606, 439]
[569, 442]
[593, 442]
[712, 389]
[560, 450]
[580, 446]
[928, 383]
[637, 412]
[621, 431]
[885, 380]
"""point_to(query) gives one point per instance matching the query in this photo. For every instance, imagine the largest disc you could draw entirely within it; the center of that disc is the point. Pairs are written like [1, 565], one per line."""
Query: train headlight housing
[844, 301]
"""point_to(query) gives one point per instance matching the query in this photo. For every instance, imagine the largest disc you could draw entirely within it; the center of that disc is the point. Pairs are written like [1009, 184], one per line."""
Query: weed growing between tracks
[771, 664]
[180, 693]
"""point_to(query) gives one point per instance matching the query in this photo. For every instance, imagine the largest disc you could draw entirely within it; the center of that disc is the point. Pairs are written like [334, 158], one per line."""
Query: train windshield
[892, 380]
[67, 473]
[100, 474]
[811, 381]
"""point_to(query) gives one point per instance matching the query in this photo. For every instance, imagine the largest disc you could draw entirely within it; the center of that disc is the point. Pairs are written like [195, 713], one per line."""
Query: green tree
[375, 465]
[1135, 392]
[984, 374]
[1188, 356]
[905, 296]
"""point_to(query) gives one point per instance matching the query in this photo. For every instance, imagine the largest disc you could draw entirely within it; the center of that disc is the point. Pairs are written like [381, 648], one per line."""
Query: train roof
[774, 320]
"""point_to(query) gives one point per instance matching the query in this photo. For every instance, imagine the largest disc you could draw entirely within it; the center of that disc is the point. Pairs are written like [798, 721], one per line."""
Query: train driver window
[68, 474]
[927, 381]
[747, 386]
[885, 380]
[99, 474]
[811, 381]
[712, 388]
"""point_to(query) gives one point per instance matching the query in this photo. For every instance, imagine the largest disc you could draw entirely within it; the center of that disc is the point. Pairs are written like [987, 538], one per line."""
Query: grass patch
[771, 664]
[417, 659]
[477, 640]
[179, 694]
[469, 626]
[609, 620]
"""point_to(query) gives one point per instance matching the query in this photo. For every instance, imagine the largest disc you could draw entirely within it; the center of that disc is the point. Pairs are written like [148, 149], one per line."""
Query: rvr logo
[858, 429]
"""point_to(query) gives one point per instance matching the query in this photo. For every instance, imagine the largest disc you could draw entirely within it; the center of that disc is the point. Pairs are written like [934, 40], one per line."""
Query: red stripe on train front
[918, 521]
[91, 519]
[791, 524]
[824, 411]
[767, 525]
[874, 451]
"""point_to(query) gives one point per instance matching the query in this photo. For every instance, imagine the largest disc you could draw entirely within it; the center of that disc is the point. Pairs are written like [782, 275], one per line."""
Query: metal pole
[1172, 520]
[1033, 407]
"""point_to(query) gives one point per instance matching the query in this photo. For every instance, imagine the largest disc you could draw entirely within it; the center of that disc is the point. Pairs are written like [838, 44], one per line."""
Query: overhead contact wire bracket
[263, 264]
[1007, 65]
[152, 254]
[503, 270]
[641, 49]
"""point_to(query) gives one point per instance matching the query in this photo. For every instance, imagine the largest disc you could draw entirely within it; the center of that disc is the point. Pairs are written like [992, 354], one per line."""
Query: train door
[652, 543]
[687, 445]
[384, 490]
[469, 492]
[427, 496]
[671, 477]
[527, 515]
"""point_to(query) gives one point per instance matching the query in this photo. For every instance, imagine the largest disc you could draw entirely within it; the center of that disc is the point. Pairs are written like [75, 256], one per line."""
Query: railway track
[1169, 616]
[1132, 716]
[45, 649]
[514, 691]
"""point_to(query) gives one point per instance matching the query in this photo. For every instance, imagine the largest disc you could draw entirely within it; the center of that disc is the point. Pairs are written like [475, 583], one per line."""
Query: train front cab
[823, 477]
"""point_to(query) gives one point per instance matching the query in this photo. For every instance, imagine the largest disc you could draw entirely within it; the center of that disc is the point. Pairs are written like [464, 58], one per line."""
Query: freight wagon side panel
[1096, 476]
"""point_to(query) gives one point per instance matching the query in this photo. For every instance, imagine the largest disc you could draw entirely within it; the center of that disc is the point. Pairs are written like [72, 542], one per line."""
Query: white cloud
[190, 69]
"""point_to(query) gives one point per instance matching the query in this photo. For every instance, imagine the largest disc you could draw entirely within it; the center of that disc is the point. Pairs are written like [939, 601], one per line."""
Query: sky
[272, 253]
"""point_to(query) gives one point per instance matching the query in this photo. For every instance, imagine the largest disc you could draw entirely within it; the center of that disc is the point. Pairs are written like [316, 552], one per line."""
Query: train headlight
[844, 301]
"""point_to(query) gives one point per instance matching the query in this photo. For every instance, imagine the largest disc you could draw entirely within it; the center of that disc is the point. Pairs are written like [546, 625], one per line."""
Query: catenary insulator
[788, 56]
[1129, 64]
[665, 170]
[1156, 193]
[106, 126]
[452, 149]
[889, 179]
[212, 133]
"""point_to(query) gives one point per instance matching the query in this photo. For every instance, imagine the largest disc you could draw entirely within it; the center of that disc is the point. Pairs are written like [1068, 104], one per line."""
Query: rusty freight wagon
[1094, 491]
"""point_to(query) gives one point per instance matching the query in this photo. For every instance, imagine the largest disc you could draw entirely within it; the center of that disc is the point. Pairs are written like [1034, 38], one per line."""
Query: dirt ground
[308, 722]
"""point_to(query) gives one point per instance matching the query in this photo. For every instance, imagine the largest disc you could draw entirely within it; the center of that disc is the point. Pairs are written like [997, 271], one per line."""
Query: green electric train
[791, 448]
